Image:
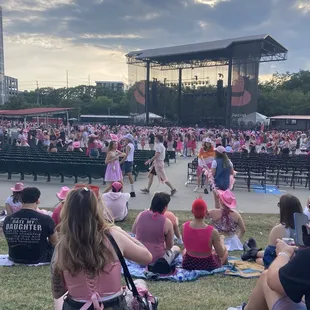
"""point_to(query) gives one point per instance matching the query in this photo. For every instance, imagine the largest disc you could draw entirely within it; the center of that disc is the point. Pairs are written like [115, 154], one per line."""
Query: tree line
[287, 93]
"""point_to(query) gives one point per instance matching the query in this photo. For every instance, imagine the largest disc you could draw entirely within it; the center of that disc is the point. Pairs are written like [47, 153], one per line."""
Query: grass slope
[29, 287]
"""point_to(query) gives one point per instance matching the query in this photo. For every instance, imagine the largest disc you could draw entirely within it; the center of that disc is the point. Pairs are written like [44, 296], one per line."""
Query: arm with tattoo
[57, 280]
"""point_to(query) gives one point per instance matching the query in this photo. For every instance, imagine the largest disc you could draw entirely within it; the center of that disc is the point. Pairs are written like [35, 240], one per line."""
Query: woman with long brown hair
[113, 171]
[85, 265]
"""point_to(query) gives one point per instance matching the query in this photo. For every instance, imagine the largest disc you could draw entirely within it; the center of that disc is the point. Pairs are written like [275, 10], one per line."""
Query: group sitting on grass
[78, 241]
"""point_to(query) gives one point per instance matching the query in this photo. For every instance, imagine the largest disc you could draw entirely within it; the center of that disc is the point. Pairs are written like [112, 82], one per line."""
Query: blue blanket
[181, 275]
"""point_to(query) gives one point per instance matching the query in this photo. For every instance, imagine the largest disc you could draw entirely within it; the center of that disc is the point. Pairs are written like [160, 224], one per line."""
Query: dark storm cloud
[150, 23]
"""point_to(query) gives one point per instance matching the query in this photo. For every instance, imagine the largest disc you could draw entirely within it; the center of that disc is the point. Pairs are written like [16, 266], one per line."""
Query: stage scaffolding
[235, 59]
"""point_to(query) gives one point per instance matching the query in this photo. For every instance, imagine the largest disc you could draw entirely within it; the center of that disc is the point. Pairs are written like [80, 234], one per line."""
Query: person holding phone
[288, 205]
[286, 282]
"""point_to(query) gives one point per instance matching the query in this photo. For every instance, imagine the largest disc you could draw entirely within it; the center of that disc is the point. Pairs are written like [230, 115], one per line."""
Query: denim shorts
[128, 166]
[269, 255]
[286, 304]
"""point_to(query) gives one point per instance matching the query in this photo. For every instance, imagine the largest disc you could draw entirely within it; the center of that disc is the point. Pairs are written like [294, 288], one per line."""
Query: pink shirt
[150, 231]
[197, 240]
[81, 287]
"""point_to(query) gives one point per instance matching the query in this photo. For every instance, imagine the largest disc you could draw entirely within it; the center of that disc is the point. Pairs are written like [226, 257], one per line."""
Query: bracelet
[284, 254]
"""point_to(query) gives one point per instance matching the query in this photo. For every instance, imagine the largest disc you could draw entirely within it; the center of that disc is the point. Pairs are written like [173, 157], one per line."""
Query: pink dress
[113, 171]
[179, 145]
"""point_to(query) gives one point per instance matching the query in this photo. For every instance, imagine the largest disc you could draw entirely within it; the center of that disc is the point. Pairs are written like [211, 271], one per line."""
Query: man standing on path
[158, 166]
[128, 161]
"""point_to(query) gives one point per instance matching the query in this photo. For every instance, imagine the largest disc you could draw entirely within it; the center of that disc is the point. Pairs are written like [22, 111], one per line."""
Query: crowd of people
[85, 269]
[78, 237]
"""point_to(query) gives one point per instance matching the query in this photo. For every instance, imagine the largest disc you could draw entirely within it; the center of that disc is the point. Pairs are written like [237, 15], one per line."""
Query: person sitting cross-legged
[154, 230]
[285, 283]
[30, 235]
[199, 238]
[117, 202]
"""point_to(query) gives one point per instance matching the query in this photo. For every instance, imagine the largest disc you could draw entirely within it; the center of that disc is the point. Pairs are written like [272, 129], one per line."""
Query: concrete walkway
[248, 202]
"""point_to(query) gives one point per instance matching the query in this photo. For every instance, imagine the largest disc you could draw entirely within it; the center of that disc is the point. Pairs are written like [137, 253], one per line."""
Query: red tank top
[197, 240]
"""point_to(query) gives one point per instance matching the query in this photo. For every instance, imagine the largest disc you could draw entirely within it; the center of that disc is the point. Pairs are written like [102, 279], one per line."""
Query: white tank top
[131, 152]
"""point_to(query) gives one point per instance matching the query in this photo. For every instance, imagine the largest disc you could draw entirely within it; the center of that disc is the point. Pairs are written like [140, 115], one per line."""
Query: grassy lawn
[29, 287]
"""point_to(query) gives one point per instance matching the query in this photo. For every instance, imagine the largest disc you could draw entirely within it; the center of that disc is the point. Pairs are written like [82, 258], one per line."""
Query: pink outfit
[82, 288]
[179, 145]
[197, 240]
[150, 231]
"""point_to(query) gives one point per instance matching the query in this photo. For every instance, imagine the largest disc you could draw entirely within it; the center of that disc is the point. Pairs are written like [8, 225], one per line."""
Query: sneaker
[145, 191]
[242, 307]
[196, 189]
[173, 192]
[206, 191]
[132, 194]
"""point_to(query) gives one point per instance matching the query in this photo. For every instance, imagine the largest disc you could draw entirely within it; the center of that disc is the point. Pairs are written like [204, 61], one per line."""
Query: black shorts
[118, 303]
[153, 171]
[128, 167]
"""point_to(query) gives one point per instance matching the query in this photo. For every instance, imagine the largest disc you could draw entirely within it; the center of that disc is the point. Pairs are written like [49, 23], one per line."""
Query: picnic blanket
[180, 275]
[236, 267]
[4, 261]
[243, 269]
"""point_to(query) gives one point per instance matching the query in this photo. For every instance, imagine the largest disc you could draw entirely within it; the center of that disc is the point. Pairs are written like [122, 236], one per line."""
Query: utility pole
[67, 73]
[89, 80]
[38, 94]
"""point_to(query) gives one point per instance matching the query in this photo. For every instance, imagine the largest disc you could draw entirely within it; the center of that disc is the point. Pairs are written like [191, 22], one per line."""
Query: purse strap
[128, 278]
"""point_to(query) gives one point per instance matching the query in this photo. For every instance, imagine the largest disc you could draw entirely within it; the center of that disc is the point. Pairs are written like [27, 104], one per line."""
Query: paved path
[247, 202]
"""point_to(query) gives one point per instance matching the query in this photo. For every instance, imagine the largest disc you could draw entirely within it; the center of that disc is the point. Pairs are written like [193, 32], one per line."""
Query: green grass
[29, 287]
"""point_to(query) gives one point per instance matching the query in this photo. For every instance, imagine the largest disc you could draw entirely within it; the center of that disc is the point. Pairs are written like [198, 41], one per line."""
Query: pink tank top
[197, 240]
[81, 287]
[150, 231]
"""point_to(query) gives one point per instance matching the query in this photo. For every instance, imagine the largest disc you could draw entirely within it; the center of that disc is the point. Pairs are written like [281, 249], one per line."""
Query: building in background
[10, 87]
[2, 86]
[113, 85]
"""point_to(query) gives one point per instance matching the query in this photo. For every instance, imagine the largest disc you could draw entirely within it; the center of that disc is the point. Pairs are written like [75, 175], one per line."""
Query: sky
[89, 38]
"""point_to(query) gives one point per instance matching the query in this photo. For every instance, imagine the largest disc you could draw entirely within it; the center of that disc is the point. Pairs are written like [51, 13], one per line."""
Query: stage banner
[244, 82]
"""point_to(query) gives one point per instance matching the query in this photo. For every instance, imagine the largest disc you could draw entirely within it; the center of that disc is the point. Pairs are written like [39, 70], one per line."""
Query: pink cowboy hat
[227, 198]
[63, 193]
[18, 187]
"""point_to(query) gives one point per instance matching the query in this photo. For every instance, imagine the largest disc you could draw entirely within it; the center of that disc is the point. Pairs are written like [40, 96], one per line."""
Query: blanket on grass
[247, 270]
[4, 261]
[236, 268]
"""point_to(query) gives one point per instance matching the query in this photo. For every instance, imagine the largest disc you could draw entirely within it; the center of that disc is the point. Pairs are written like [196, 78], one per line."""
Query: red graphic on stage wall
[139, 92]
[240, 96]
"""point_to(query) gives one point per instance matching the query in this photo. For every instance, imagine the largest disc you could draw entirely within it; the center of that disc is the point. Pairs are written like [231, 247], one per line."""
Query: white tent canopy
[256, 118]
[152, 116]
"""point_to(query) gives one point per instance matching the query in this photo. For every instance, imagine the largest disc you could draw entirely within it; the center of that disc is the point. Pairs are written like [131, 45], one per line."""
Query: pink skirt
[113, 172]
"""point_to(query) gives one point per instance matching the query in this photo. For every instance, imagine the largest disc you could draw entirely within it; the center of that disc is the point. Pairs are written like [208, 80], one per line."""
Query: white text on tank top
[131, 152]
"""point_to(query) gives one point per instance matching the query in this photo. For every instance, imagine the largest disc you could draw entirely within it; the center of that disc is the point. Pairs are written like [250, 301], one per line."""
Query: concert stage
[177, 80]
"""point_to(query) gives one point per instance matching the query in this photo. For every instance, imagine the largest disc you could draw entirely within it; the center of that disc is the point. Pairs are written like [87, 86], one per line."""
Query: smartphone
[300, 219]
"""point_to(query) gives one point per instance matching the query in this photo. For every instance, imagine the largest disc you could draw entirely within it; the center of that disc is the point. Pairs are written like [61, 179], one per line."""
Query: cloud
[34, 5]
[44, 38]
[211, 3]
[110, 36]
[303, 6]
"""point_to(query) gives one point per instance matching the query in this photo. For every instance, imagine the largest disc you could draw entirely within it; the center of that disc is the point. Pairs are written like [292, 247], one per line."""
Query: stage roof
[34, 111]
[296, 117]
[261, 48]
